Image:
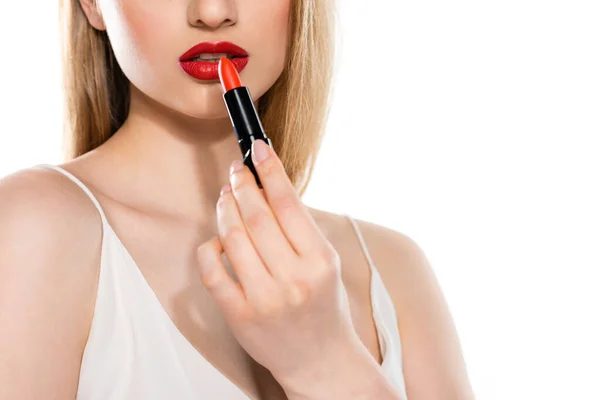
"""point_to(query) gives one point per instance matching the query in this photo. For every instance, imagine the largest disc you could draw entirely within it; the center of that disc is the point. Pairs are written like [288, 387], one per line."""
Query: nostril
[210, 24]
[228, 22]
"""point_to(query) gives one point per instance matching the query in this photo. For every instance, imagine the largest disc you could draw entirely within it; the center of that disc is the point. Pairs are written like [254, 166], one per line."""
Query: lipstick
[242, 112]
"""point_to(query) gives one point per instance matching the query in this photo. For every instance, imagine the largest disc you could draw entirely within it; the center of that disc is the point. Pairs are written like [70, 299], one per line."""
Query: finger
[245, 262]
[293, 217]
[226, 293]
[269, 240]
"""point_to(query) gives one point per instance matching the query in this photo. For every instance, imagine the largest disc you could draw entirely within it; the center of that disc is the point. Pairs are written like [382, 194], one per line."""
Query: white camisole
[135, 351]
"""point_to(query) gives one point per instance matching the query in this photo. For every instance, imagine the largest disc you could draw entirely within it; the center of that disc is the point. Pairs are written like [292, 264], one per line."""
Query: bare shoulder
[46, 207]
[395, 251]
[330, 223]
[50, 240]
[433, 363]
[432, 356]
[397, 256]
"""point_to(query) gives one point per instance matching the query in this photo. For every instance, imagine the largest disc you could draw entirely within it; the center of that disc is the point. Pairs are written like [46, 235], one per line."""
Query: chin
[206, 111]
[206, 103]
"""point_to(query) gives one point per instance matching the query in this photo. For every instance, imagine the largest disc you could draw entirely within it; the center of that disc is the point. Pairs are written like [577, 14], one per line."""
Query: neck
[170, 163]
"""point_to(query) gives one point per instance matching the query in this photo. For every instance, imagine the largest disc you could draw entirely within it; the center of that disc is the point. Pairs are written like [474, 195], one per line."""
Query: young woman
[151, 265]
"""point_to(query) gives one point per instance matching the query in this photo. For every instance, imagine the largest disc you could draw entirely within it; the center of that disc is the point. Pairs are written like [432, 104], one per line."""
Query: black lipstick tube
[246, 124]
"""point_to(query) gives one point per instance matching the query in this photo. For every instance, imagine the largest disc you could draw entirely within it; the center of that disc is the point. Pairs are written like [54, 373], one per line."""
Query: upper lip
[213, 48]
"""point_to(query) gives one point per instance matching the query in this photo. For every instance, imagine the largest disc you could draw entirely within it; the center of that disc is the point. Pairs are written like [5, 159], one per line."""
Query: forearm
[354, 375]
[375, 387]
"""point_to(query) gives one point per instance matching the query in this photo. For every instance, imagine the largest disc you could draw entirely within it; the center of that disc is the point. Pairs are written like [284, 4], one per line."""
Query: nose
[212, 13]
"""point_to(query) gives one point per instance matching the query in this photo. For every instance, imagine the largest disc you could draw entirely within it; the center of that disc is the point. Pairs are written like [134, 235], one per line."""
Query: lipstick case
[246, 124]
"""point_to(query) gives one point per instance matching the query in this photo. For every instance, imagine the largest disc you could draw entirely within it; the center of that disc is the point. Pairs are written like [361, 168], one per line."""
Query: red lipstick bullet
[244, 118]
[228, 75]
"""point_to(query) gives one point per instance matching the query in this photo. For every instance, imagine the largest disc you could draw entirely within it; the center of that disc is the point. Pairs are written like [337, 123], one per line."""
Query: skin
[159, 180]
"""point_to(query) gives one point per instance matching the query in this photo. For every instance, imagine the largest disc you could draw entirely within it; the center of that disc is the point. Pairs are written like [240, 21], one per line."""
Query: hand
[289, 308]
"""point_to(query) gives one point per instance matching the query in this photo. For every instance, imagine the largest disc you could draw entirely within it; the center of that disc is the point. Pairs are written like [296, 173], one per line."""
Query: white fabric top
[135, 351]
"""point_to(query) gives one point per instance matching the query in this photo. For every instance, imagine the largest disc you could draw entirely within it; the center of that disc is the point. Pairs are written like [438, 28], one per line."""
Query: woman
[181, 279]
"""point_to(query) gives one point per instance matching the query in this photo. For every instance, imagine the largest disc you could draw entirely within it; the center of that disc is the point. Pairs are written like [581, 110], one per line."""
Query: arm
[49, 254]
[348, 372]
[432, 358]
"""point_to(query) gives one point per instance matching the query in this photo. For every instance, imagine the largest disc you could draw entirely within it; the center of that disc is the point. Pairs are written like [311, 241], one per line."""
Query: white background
[481, 144]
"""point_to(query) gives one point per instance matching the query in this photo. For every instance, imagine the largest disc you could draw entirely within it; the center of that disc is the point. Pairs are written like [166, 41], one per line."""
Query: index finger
[294, 219]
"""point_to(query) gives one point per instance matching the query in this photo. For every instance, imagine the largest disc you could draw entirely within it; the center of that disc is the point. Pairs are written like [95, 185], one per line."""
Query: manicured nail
[260, 151]
[226, 189]
[236, 166]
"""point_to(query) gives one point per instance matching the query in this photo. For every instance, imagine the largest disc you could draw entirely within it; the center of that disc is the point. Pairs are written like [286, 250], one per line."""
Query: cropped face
[169, 49]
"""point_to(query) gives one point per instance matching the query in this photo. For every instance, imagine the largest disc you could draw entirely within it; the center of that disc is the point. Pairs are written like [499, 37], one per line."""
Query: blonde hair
[293, 111]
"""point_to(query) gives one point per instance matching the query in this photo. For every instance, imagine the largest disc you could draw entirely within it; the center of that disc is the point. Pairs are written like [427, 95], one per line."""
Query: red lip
[218, 47]
[208, 71]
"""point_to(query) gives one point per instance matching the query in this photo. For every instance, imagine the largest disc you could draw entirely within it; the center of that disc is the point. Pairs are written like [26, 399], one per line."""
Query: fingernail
[260, 151]
[226, 189]
[236, 166]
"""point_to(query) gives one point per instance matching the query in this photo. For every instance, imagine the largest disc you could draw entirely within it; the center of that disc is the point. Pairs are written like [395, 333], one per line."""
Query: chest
[166, 256]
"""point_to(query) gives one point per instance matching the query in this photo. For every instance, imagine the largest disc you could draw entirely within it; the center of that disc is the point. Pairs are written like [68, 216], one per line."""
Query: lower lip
[209, 71]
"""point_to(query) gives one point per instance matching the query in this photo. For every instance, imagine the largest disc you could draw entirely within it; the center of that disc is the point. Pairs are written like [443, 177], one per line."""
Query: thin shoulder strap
[363, 245]
[81, 185]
